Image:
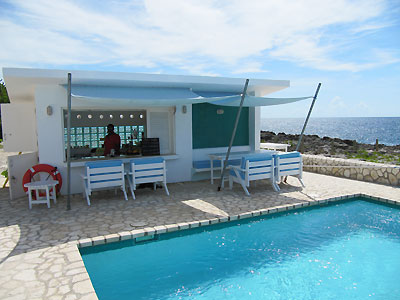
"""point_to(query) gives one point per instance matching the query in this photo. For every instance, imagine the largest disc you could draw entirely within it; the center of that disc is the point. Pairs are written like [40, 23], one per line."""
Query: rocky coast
[335, 147]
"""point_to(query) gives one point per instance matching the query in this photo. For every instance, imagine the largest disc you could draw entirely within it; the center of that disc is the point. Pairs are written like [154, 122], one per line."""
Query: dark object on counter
[130, 149]
[150, 146]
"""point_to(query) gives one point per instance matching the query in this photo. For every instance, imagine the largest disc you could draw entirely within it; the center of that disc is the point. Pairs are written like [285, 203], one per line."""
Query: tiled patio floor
[39, 258]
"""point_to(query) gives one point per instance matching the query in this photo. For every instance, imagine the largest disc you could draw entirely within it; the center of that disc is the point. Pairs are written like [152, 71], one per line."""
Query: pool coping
[156, 230]
[44, 249]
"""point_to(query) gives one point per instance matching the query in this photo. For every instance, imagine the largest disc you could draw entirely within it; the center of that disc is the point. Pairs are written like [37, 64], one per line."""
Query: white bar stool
[49, 186]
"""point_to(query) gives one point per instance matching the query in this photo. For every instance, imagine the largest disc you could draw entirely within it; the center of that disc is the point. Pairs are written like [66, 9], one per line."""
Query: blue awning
[117, 96]
[137, 96]
[252, 101]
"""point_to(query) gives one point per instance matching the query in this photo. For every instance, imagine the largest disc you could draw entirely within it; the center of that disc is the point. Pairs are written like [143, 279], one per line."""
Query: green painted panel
[210, 129]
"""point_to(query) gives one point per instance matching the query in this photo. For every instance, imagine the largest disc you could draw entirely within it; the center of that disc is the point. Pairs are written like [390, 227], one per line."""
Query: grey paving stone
[40, 247]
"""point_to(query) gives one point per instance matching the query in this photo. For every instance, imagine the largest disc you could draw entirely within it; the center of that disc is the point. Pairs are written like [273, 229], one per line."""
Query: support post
[308, 116]
[69, 144]
[233, 133]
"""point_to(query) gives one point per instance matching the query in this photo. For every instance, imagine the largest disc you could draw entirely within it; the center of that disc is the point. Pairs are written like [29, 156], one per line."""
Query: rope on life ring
[42, 168]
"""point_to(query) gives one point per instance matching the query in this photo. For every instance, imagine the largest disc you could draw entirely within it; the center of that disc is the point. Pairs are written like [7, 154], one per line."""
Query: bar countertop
[125, 158]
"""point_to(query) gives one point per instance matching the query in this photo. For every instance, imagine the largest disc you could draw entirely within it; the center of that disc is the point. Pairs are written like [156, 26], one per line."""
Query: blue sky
[352, 47]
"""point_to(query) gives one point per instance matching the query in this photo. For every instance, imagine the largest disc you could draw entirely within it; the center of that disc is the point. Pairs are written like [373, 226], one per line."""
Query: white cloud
[249, 67]
[370, 27]
[338, 106]
[183, 33]
[337, 103]
[363, 106]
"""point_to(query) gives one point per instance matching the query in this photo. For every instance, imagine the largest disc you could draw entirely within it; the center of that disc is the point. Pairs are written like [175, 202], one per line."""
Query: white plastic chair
[289, 164]
[103, 175]
[147, 170]
[253, 167]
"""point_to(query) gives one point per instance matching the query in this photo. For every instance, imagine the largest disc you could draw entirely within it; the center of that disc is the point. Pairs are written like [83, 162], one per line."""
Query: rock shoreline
[335, 147]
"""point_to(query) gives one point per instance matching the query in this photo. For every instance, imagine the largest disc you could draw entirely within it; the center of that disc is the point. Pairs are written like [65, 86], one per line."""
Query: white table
[49, 186]
[274, 146]
[233, 155]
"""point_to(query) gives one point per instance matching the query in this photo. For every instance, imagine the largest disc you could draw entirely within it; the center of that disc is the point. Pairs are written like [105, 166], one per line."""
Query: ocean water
[343, 251]
[363, 130]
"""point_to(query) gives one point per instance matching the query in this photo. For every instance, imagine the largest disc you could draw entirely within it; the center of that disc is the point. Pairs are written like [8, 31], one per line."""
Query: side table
[49, 186]
[274, 146]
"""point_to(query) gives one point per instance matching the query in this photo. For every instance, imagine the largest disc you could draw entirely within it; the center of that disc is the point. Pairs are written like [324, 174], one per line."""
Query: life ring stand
[42, 168]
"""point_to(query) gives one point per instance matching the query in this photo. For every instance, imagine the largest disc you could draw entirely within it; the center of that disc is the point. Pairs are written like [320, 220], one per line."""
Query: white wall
[51, 137]
[180, 140]
[51, 133]
[50, 128]
[19, 126]
[17, 166]
[254, 127]
[181, 169]
[160, 125]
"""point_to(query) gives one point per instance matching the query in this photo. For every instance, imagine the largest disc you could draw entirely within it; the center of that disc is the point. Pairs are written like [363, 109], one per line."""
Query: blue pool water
[349, 250]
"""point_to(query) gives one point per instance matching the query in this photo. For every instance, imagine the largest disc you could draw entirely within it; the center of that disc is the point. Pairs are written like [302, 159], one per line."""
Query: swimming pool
[349, 250]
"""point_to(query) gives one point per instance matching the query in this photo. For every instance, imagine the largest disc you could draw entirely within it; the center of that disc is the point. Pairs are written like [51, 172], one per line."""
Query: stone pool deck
[39, 257]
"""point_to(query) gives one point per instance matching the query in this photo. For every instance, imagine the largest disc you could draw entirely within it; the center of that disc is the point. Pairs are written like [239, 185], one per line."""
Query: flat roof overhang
[21, 82]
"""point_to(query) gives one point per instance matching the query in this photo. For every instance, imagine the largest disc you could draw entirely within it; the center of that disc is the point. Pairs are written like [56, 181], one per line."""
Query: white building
[35, 120]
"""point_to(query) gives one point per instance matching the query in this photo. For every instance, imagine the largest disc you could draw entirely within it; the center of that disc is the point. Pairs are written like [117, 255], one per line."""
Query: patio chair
[103, 175]
[253, 167]
[147, 170]
[289, 164]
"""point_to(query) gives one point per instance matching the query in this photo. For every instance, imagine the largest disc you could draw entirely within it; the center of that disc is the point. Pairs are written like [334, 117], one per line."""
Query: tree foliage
[3, 99]
[3, 93]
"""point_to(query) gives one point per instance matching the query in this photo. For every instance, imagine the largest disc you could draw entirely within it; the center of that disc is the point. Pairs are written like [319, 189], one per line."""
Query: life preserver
[42, 168]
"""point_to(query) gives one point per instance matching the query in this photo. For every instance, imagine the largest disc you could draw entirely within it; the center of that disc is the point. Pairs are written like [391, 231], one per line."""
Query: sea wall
[353, 169]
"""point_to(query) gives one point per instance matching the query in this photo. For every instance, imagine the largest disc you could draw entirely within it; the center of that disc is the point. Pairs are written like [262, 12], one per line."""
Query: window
[92, 137]
[89, 128]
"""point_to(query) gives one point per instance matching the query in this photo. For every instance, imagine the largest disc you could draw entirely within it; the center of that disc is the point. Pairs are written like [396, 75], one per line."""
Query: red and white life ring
[42, 168]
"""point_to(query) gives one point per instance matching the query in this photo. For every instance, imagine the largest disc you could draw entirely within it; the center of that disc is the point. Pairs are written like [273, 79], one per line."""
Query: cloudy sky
[352, 47]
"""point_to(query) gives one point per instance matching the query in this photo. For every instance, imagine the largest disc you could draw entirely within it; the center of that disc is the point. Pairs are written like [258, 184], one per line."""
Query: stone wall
[363, 171]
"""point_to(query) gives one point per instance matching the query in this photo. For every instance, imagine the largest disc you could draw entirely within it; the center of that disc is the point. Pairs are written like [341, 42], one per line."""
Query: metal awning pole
[69, 144]
[233, 133]
[308, 116]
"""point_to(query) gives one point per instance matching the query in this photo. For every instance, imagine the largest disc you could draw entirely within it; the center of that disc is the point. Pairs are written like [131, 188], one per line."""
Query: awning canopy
[116, 96]
[133, 96]
[252, 101]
